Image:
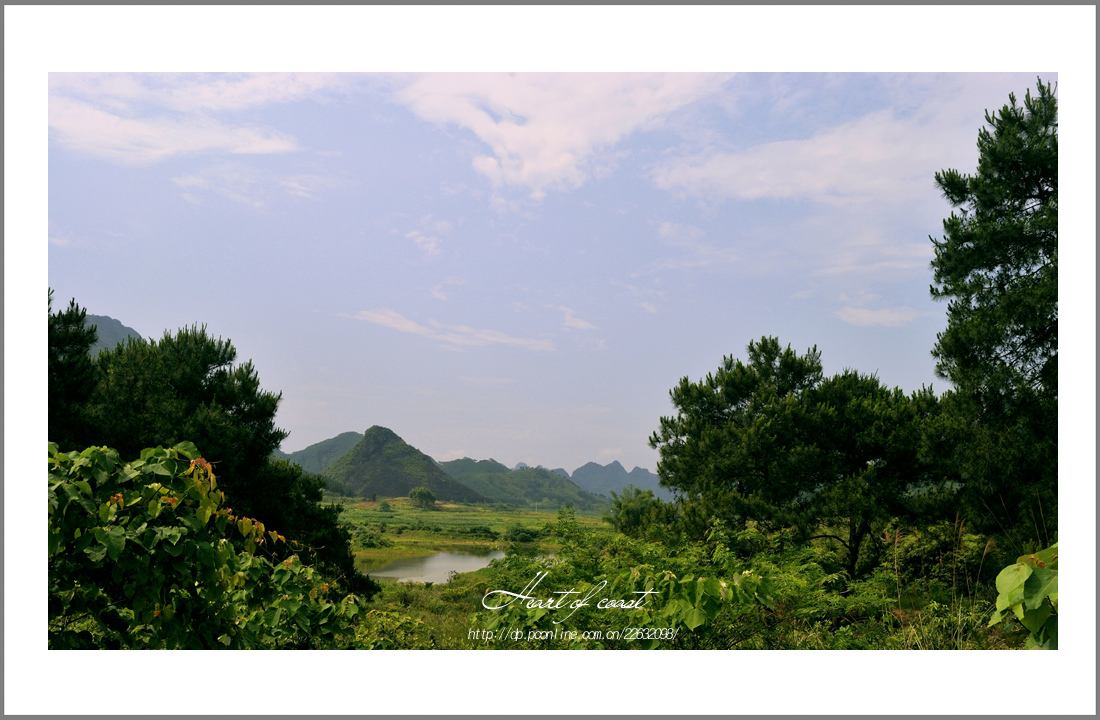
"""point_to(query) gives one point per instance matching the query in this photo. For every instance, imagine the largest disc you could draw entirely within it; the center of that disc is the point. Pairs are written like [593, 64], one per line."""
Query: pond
[433, 568]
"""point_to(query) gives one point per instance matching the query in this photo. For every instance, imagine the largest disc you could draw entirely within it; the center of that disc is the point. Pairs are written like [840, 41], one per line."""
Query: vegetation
[317, 457]
[997, 265]
[422, 497]
[146, 554]
[109, 332]
[381, 463]
[1030, 589]
[71, 377]
[525, 486]
[186, 388]
[774, 443]
[810, 512]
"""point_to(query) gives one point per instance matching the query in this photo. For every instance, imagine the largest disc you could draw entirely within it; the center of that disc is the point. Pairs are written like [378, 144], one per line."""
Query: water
[434, 568]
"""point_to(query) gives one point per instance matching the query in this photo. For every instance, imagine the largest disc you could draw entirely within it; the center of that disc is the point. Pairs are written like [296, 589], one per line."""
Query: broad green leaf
[694, 618]
[1033, 620]
[1039, 584]
[1010, 581]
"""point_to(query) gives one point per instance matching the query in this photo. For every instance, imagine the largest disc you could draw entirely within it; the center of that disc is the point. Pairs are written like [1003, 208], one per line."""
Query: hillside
[110, 332]
[319, 456]
[524, 486]
[384, 464]
[602, 479]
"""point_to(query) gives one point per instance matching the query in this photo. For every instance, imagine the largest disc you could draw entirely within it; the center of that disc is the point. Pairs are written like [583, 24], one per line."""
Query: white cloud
[427, 243]
[453, 337]
[138, 119]
[886, 317]
[439, 292]
[195, 92]
[140, 141]
[249, 186]
[877, 157]
[550, 131]
[574, 322]
[886, 156]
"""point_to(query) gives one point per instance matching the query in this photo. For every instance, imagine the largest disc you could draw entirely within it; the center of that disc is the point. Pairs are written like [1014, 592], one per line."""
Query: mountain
[602, 479]
[523, 486]
[381, 462]
[319, 456]
[110, 332]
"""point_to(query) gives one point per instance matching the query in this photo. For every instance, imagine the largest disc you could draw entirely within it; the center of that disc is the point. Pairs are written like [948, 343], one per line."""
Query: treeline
[771, 443]
[188, 387]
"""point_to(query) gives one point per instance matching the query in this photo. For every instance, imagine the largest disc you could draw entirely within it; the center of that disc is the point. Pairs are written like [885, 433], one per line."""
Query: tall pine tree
[997, 265]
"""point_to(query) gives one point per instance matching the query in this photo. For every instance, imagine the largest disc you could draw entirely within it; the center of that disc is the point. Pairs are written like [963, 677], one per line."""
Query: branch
[834, 537]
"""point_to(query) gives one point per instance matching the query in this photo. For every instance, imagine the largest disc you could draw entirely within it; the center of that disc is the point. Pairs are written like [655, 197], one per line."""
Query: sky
[522, 267]
[512, 265]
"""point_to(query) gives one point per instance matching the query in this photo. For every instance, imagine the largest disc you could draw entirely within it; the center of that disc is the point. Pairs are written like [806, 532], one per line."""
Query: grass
[415, 532]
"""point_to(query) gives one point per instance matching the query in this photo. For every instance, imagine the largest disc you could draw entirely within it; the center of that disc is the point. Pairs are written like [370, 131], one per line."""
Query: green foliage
[525, 486]
[382, 463]
[1029, 588]
[657, 592]
[71, 373]
[317, 457]
[146, 554]
[422, 497]
[997, 265]
[632, 511]
[773, 442]
[187, 387]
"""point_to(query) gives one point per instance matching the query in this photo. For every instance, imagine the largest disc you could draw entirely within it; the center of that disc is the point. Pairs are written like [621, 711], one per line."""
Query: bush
[146, 555]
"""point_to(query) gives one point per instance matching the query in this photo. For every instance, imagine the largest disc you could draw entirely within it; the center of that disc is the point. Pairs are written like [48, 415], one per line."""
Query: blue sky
[447, 257]
[517, 266]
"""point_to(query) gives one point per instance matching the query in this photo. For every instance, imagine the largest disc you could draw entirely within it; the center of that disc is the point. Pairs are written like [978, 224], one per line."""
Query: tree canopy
[997, 266]
[71, 372]
[187, 387]
[774, 442]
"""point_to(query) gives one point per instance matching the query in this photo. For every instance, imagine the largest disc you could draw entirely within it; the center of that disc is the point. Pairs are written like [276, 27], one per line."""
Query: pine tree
[997, 265]
[71, 374]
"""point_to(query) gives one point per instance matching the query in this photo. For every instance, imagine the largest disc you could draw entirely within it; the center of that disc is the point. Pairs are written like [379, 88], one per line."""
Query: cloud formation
[549, 131]
[140, 119]
[454, 336]
[574, 322]
[247, 185]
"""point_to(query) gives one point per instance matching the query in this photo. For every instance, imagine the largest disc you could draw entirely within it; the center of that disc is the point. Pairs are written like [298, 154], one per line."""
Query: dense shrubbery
[146, 554]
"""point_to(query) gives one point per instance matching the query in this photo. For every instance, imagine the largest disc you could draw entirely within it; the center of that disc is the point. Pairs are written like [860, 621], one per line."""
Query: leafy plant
[1029, 589]
[422, 497]
[145, 554]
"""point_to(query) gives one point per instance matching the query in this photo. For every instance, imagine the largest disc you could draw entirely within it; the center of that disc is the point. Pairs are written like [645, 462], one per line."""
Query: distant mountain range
[379, 462]
[386, 465]
[603, 479]
[319, 456]
[525, 486]
[109, 332]
[382, 463]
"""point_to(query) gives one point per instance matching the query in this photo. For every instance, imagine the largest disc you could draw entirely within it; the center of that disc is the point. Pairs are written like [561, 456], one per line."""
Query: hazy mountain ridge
[602, 479]
[109, 332]
[382, 463]
[319, 456]
[523, 486]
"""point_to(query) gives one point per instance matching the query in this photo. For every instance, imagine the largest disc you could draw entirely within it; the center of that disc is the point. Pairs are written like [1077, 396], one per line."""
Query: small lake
[433, 568]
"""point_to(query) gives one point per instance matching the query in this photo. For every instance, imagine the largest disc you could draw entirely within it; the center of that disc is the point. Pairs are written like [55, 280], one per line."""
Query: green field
[408, 531]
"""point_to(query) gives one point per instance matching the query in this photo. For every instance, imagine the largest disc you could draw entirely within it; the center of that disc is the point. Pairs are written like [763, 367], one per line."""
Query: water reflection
[434, 568]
